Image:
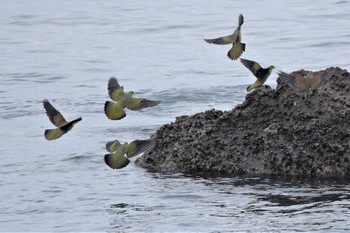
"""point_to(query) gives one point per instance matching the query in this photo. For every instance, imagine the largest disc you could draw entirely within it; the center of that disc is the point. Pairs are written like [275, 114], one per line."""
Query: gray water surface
[65, 51]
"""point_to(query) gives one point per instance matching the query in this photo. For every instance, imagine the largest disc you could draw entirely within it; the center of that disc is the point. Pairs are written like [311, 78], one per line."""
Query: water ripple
[65, 52]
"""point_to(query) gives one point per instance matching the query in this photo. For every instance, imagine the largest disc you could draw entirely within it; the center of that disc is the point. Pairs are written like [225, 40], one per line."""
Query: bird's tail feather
[116, 161]
[236, 51]
[52, 134]
[254, 85]
[114, 111]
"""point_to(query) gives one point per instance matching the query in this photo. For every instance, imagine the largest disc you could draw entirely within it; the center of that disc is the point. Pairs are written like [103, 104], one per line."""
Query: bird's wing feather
[115, 91]
[136, 104]
[221, 40]
[288, 79]
[315, 81]
[300, 82]
[54, 115]
[112, 146]
[324, 78]
[139, 146]
[253, 66]
[240, 20]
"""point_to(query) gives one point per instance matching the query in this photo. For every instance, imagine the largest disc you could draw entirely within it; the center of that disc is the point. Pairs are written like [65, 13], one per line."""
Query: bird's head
[130, 93]
[271, 67]
[310, 74]
[125, 147]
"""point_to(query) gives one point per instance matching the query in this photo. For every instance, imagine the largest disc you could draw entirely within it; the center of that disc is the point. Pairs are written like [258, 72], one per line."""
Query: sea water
[65, 51]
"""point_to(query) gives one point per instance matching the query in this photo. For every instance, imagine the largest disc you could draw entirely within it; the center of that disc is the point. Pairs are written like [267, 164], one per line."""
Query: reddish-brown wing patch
[315, 81]
[54, 115]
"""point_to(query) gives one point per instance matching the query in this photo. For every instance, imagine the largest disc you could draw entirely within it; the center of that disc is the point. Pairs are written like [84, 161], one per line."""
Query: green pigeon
[260, 73]
[115, 110]
[235, 39]
[58, 120]
[120, 153]
[306, 83]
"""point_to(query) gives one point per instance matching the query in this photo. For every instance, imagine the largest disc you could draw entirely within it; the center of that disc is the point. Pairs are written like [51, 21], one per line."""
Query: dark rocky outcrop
[274, 131]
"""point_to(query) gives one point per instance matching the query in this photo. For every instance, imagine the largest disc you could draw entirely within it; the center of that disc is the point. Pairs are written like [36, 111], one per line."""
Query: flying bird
[235, 39]
[306, 83]
[58, 120]
[260, 73]
[115, 110]
[120, 153]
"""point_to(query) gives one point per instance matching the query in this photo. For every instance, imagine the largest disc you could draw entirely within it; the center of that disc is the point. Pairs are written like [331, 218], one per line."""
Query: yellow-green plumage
[115, 110]
[51, 134]
[112, 146]
[236, 51]
[121, 153]
[117, 159]
[58, 120]
[256, 84]
[260, 73]
[235, 39]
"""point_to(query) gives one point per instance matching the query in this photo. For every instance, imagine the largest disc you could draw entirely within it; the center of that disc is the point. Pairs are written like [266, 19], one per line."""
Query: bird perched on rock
[260, 73]
[306, 83]
[120, 153]
[115, 110]
[58, 120]
[235, 39]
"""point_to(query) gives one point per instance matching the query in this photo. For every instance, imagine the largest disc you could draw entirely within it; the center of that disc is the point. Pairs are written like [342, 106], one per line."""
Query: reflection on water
[65, 51]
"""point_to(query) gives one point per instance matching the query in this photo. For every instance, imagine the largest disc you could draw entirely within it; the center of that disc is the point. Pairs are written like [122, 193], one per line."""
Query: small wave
[182, 196]
[79, 158]
[125, 207]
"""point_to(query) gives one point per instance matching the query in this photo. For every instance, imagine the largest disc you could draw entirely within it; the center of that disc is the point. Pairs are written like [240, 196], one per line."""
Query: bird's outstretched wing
[115, 91]
[221, 40]
[139, 146]
[137, 104]
[288, 79]
[230, 39]
[112, 146]
[54, 115]
[320, 79]
[253, 66]
[240, 20]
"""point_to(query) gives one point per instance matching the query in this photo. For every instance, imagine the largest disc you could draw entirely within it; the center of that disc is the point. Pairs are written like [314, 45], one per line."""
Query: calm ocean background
[65, 51]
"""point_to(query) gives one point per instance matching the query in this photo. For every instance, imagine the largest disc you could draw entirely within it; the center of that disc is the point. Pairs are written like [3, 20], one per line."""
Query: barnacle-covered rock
[274, 131]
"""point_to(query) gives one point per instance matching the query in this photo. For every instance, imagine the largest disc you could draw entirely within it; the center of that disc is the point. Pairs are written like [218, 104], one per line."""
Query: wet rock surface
[274, 131]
